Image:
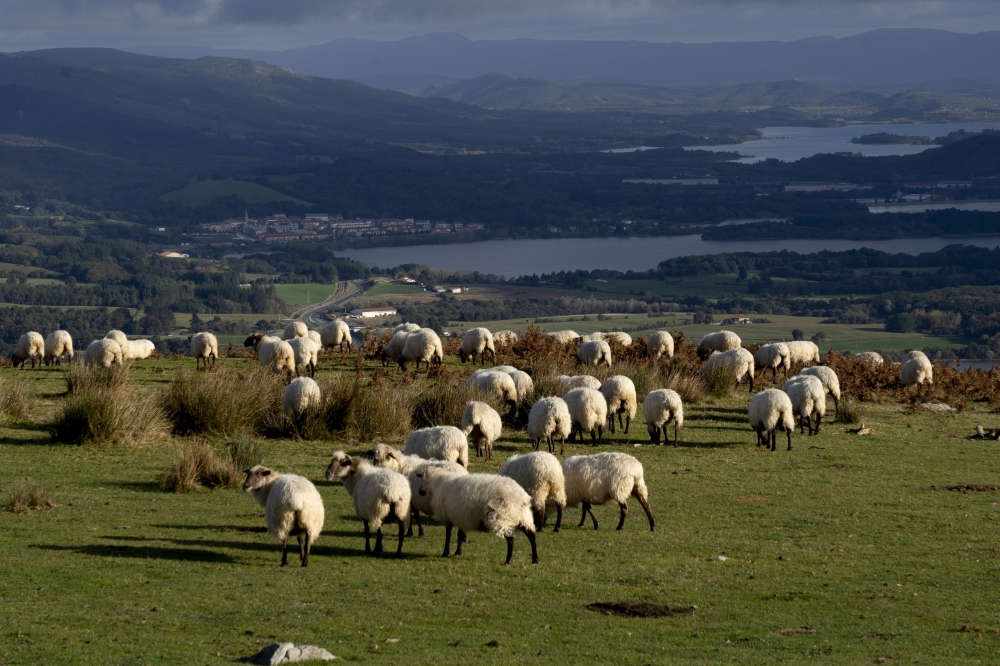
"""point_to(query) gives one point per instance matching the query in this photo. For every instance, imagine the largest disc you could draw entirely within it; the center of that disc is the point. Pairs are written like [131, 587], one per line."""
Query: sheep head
[253, 340]
[258, 477]
[340, 464]
[384, 455]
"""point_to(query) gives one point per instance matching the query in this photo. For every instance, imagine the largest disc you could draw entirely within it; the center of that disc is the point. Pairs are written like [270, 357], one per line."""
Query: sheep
[916, 353]
[30, 347]
[619, 392]
[660, 343]
[58, 344]
[121, 339]
[917, 370]
[292, 507]
[408, 328]
[481, 502]
[301, 395]
[770, 411]
[495, 384]
[774, 356]
[482, 423]
[384, 455]
[394, 348]
[870, 357]
[541, 476]
[140, 349]
[808, 397]
[377, 493]
[564, 337]
[549, 417]
[523, 383]
[504, 339]
[804, 352]
[588, 410]
[296, 329]
[104, 352]
[272, 353]
[439, 443]
[306, 353]
[829, 379]
[335, 334]
[317, 338]
[423, 345]
[603, 478]
[623, 338]
[204, 346]
[477, 341]
[660, 408]
[578, 381]
[719, 341]
[736, 363]
[594, 352]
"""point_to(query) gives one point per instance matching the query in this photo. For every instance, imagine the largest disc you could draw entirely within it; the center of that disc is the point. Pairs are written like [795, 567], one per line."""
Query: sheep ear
[266, 472]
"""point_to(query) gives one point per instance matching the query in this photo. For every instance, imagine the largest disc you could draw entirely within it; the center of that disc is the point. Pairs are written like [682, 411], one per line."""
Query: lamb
[541, 476]
[770, 411]
[589, 411]
[204, 346]
[578, 381]
[737, 363]
[477, 341]
[121, 339]
[774, 356]
[394, 348]
[439, 443]
[804, 352]
[661, 408]
[306, 353]
[495, 384]
[390, 458]
[549, 417]
[603, 478]
[292, 507]
[30, 347]
[316, 338]
[423, 345]
[377, 493]
[829, 379]
[564, 337]
[479, 502]
[104, 353]
[660, 344]
[619, 392]
[870, 357]
[58, 344]
[504, 339]
[272, 353]
[719, 341]
[623, 338]
[301, 395]
[336, 334]
[918, 370]
[140, 349]
[482, 423]
[296, 329]
[407, 328]
[808, 397]
[594, 352]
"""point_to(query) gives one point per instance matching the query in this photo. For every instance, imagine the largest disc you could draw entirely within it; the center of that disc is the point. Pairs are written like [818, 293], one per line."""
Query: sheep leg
[592, 437]
[645, 507]
[623, 506]
[590, 510]
[368, 549]
[611, 422]
[628, 422]
[461, 540]
[304, 549]
[447, 541]
[600, 434]
[534, 546]
[539, 518]
[788, 431]
[284, 552]
[836, 405]
[751, 384]
[402, 532]
[818, 418]
[510, 549]
[620, 421]
[675, 435]
[773, 439]
[559, 514]
[378, 542]
[583, 515]
[562, 446]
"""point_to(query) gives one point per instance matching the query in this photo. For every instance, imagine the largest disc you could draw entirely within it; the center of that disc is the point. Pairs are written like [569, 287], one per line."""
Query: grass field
[304, 294]
[845, 550]
[204, 192]
[391, 288]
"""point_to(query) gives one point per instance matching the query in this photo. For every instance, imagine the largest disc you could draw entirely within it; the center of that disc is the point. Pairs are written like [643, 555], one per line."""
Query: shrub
[105, 408]
[199, 464]
[225, 402]
[28, 496]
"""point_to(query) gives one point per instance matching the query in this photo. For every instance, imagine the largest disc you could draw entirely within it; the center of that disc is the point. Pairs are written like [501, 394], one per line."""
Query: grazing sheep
[479, 502]
[549, 417]
[591, 336]
[317, 338]
[121, 339]
[272, 353]
[774, 356]
[661, 408]
[736, 363]
[623, 338]
[407, 328]
[104, 353]
[719, 341]
[301, 395]
[30, 347]
[496, 384]
[306, 353]
[589, 411]
[871, 357]
[523, 383]
[204, 346]
[423, 345]
[808, 397]
[504, 339]
[140, 349]
[376, 492]
[58, 344]
[336, 334]
[804, 352]
[477, 341]
[660, 344]
[918, 370]
[829, 379]
[394, 348]
[292, 507]
[916, 353]
[770, 411]
[482, 423]
[594, 352]
[563, 337]
[619, 391]
[603, 478]
[384, 455]
[296, 329]
[541, 476]
[439, 443]
[578, 381]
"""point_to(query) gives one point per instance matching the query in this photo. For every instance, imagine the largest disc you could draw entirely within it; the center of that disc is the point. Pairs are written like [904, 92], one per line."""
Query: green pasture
[391, 288]
[304, 294]
[204, 192]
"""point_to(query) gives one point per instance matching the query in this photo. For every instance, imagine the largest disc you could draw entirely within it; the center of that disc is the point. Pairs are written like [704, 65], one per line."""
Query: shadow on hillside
[272, 545]
[145, 553]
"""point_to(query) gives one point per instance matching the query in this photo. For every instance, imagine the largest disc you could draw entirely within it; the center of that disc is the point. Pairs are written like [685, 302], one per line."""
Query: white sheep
[204, 346]
[394, 348]
[301, 395]
[317, 338]
[104, 353]
[439, 443]
[918, 370]
[30, 347]
[770, 411]
[377, 493]
[482, 423]
[660, 343]
[479, 502]
[423, 345]
[477, 341]
[719, 341]
[869, 356]
[915, 353]
[774, 356]
[140, 349]
[335, 334]
[504, 339]
[829, 379]
[58, 344]
[292, 507]
[495, 384]
[384, 455]
[623, 338]
[589, 411]
[272, 353]
[306, 353]
[541, 476]
[619, 392]
[603, 478]
[407, 328]
[803, 352]
[567, 383]
[735, 363]
[548, 418]
[564, 337]
[121, 339]
[808, 397]
[523, 383]
[661, 408]
[594, 352]
[296, 329]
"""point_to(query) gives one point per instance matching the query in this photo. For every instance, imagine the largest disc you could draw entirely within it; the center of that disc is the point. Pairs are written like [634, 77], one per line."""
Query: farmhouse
[373, 312]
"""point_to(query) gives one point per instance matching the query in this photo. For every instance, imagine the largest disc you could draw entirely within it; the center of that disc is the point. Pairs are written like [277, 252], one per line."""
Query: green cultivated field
[846, 550]
[204, 192]
[304, 294]
[389, 288]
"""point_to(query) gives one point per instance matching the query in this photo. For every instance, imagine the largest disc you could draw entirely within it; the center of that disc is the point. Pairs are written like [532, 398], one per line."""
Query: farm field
[296, 295]
[204, 192]
[847, 549]
[391, 288]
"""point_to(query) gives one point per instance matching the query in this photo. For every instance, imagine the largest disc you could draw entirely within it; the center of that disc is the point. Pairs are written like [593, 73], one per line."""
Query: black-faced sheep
[661, 408]
[103, 353]
[377, 493]
[603, 478]
[619, 392]
[296, 329]
[423, 345]
[771, 411]
[660, 343]
[482, 423]
[775, 356]
[58, 345]
[272, 353]
[719, 341]
[594, 352]
[204, 346]
[477, 342]
[384, 455]
[735, 363]
[829, 379]
[808, 397]
[589, 411]
[336, 334]
[549, 418]
[30, 347]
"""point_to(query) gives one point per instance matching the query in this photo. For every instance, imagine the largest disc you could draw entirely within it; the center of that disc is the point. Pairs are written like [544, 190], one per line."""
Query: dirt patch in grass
[797, 631]
[640, 609]
[968, 488]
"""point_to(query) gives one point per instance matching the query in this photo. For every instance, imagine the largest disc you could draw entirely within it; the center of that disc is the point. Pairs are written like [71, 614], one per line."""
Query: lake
[794, 143]
[513, 258]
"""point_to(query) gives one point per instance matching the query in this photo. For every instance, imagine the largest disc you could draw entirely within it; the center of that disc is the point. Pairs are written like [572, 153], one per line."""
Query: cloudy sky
[280, 24]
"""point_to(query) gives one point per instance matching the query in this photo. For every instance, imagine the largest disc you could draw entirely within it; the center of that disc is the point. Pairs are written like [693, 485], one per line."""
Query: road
[313, 315]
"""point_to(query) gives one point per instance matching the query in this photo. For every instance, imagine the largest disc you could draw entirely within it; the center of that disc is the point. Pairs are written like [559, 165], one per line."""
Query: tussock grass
[851, 410]
[718, 382]
[84, 378]
[225, 402]
[27, 496]
[362, 407]
[199, 464]
[691, 388]
[15, 398]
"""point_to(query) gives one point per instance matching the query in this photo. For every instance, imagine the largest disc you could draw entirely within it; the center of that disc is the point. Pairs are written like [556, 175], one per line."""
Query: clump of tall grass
[362, 407]
[718, 382]
[14, 398]
[84, 378]
[850, 410]
[691, 388]
[26, 496]
[199, 464]
[225, 402]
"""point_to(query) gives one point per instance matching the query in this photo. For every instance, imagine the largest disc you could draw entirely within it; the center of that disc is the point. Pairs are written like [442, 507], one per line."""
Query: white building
[373, 312]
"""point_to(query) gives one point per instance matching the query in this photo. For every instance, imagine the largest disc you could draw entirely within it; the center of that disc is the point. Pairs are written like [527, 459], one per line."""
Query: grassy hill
[201, 193]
